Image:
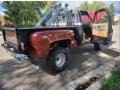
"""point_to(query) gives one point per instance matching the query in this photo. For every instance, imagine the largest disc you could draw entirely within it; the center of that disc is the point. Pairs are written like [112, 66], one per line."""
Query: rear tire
[57, 59]
[97, 46]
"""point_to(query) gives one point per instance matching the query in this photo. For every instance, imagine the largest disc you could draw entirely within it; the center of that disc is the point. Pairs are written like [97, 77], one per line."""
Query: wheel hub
[60, 60]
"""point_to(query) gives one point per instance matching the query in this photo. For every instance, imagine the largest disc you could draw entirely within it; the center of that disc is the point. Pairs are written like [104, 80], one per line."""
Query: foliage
[112, 11]
[84, 6]
[91, 6]
[49, 3]
[96, 5]
[113, 81]
[23, 13]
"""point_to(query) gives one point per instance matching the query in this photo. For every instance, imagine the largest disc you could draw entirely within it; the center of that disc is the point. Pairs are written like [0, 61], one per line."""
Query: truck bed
[14, 36]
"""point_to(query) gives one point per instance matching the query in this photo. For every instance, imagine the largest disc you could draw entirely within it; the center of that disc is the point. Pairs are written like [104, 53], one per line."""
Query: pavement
[15, 75]
[103, 71]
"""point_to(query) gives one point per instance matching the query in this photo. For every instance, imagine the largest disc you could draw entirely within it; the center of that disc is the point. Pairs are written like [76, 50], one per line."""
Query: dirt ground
[15, 75]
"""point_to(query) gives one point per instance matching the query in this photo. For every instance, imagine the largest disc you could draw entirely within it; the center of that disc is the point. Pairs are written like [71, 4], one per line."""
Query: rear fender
[41, 41]
[40, 45]
[67, 43]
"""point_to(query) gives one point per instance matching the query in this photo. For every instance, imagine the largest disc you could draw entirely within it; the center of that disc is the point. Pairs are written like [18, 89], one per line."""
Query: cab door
[102, 27]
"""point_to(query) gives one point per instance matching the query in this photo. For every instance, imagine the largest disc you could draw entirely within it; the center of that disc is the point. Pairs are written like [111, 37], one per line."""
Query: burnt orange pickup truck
[51, 37]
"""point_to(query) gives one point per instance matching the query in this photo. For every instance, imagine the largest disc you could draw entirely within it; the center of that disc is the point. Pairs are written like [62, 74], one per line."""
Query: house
[3, 21]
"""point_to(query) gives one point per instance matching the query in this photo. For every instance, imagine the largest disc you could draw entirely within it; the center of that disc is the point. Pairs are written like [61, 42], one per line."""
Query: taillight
[22, 46]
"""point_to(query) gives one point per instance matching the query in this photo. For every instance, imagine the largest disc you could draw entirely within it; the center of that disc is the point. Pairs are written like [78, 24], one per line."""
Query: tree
[96, 6]
[23, 13]
[84, 6]
[112, 11]
[91, 6]
[49, 4]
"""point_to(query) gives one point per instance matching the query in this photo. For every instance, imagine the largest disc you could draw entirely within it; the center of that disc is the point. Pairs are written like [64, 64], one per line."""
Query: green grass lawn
[112, 82]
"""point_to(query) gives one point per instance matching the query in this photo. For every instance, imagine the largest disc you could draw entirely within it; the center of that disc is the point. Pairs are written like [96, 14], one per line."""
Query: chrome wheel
[60, 60]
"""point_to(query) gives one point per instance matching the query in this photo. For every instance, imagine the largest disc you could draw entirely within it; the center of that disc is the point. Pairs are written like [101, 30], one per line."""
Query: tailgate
[11, 43]
[10, 37]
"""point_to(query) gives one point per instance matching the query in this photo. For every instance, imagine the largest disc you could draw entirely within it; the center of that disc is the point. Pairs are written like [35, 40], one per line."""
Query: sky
[74, 4]
[116, 5]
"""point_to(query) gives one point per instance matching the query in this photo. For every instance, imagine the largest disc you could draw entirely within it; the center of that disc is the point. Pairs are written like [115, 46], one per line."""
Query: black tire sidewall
[51, 60]
[97, 46]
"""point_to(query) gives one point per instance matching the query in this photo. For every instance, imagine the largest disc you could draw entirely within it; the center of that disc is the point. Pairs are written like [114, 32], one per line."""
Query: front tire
[57, 59]
[97, 46]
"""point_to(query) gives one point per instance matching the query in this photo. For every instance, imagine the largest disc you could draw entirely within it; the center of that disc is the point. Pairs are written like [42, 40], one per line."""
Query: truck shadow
[79, 57]
[75, 57]
[81, 61]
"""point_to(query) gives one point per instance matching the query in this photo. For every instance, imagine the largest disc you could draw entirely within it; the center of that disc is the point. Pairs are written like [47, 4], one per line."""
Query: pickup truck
[51, 42]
